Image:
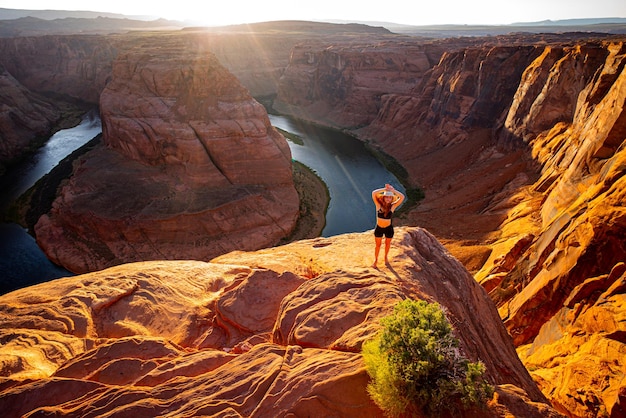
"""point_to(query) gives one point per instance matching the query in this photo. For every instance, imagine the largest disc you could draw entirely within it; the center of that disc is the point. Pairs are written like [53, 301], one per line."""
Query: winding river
[349, 170]
[22, 263]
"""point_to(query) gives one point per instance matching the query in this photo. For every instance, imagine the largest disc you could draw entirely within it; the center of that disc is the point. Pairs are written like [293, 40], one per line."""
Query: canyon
[519, 149]
[516, 141]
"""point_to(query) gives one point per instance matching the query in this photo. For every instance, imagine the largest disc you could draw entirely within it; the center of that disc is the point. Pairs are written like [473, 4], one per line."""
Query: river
[22, 263]
[349, 170]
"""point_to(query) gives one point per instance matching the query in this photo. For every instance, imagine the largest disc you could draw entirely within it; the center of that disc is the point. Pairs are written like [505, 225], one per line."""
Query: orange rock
[556, 298]
[242, 334]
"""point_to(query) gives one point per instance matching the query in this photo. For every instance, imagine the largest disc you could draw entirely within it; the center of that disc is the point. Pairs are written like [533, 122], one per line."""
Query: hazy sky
[417, 12]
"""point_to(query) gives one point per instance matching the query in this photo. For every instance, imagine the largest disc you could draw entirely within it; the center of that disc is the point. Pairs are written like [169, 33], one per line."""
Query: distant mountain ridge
[574, 22]
[8, 16]
[12, 14]
[16, 23]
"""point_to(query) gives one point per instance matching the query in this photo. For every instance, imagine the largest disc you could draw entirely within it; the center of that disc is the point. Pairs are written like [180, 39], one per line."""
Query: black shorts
[380, 231]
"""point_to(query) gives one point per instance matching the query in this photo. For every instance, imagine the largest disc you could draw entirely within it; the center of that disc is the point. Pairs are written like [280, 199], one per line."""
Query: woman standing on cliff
[387, 200]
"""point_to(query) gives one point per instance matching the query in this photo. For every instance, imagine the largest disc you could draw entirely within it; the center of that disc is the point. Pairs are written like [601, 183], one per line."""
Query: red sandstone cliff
[192, 169]
[270, 333]
[341, 83]
[560, 284]
[72, 66]
[42, 78]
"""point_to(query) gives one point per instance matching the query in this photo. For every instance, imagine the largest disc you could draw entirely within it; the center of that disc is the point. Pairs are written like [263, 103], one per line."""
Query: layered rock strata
[72, 66]
[341, 83]
[488, 133]
[270, 333]
[555, 249]
[192, 168]
[560, 284]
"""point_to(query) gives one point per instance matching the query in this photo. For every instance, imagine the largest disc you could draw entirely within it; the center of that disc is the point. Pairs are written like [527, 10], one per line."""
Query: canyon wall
[74, 66]
[275, 332]
[340, 84]
[26, 119]
[47, 82]
[558, 272]
[190, 168]
[519, 148]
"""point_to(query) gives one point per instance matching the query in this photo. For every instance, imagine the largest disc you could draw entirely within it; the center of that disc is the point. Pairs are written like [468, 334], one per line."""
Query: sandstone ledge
[276, 331]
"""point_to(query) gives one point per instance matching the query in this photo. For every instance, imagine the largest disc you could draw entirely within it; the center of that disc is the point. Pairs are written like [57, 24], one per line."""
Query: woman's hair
[385, 206]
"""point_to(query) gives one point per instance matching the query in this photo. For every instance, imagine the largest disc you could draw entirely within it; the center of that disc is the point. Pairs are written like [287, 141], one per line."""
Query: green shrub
[416, 367]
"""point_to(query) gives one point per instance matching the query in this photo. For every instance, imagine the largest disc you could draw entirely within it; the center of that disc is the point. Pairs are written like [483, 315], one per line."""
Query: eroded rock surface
[74, 66]
[340, 83]
[273, 332]
[562, 291]
[516, 141]
[553, 264]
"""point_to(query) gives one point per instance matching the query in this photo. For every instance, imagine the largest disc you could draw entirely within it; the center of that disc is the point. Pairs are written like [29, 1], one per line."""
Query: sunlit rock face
[540, 197]
[441, 131]
[562, 291]
[519, 150]
[190, 168]
[275, 332]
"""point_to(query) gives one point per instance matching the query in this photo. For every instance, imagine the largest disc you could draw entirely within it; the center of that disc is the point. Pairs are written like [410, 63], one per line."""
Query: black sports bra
[384, 215]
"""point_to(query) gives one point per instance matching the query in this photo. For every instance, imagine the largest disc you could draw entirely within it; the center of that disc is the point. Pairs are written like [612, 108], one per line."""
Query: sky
[412, 12]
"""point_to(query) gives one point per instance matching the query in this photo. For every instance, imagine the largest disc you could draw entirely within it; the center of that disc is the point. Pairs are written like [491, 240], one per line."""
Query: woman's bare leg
[378, 242]
[387, 246]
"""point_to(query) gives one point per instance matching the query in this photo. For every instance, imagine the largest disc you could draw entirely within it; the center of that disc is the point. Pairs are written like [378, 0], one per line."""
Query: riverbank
[312, 191]
[37, 201]
[314, 200]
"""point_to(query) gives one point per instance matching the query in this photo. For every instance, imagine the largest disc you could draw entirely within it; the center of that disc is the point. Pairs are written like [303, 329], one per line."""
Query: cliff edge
[272, 332]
